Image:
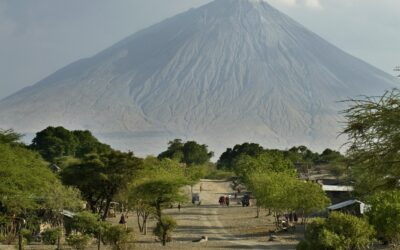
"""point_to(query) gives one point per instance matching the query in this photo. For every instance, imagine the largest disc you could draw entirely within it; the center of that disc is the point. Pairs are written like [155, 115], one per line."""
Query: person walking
[227, 201]
[179, 207]
[122, 220]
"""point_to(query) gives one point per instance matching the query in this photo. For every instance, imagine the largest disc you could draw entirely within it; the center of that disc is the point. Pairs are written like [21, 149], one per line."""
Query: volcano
[228, 72]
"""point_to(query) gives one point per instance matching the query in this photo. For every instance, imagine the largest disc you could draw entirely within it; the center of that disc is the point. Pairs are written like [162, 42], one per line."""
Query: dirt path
[218, 223]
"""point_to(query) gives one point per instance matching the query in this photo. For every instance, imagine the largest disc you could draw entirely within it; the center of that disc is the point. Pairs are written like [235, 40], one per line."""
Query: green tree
[164, 228]
[9, 136]
[384, 215]
[307, 197]
[372, 128]
[227, 159]
[119, 237]
[158, 193]
[28, 188]
[155, 169]
[102, 177]
[338, 232]
[90, 224]
[88, 144]
[190, 152]
[245, 165]
[55, 142]
[78, 241]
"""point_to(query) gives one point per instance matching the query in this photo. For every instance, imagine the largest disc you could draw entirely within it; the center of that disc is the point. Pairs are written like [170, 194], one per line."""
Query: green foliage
[9, 137]
[271, 190]
[302, 154]
[164, 228]
[26, 234]
[102, 177]
[51, 235]
[159, 192]
[78, 241]
[88, 223]
[119, 237]
[54, 142]
[245, 165]
[218, 174]
[281, 191]
[227, 159]
[307, 197]
[26, 183]
[372, 128]
[384, 215]
[189, 152]
[338, 232]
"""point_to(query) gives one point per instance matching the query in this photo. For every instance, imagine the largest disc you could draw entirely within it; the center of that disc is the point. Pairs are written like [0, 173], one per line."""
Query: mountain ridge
[224, 73]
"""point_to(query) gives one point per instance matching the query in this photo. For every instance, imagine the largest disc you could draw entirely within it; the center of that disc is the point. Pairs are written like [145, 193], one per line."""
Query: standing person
[179, 207]
[201, 187]
[295, 217]
[227, 201]
[122, 220]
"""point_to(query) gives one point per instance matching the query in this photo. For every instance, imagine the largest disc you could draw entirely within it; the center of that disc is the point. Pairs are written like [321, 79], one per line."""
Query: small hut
[354, 207]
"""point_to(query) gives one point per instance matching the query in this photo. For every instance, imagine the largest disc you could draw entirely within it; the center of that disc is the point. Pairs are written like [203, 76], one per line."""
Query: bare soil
[233, 227]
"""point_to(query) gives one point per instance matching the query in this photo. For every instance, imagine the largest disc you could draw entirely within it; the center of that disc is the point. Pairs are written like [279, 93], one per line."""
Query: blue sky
[37, 37]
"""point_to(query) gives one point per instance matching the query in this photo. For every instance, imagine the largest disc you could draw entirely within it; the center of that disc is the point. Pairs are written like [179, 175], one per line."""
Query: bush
[26, 234]
[384, 215]
[338, 232]
[164, 228]
[119, 237]
[78, 241]
[51, 235]
[86, 223]
[217, 174]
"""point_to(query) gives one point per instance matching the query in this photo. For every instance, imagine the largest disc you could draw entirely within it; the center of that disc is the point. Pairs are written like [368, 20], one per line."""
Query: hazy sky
[37, 37]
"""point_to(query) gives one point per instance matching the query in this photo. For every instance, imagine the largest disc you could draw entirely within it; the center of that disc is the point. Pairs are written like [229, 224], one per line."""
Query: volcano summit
[228, 72]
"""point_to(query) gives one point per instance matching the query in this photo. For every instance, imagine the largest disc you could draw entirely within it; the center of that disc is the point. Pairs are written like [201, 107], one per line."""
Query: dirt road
[232, 227]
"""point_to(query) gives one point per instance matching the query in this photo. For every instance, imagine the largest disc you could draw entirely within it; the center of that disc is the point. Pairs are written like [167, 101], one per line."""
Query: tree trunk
[99, 241]
[164, 239]
[138, 214]
[105, 214]
[146, 215]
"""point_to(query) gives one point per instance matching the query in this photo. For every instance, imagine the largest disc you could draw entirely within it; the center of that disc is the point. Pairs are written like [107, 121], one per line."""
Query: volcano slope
[224, 73]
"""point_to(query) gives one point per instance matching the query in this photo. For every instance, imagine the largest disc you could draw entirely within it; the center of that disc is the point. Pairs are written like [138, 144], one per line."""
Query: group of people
[224, 201]
[288, 220]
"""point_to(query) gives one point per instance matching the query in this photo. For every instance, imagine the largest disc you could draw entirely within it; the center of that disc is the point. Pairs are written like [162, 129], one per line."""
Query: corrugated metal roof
[335, 188]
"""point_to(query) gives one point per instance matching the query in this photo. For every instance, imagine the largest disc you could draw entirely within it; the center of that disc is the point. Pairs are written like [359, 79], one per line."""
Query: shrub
[338, 232]
[51, 235]
[384, 215]
[78, 241]
[164, 228]
[119, 237]
[86, 223]
[26, 234]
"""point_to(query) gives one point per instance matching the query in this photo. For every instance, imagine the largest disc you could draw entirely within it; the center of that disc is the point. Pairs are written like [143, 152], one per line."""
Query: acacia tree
[159, 193]
[190, 152]
[166, 171]
[56, 142]
[373, 129]
[307, 197]
[102, 177]
[384, 215]
[29, 189]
